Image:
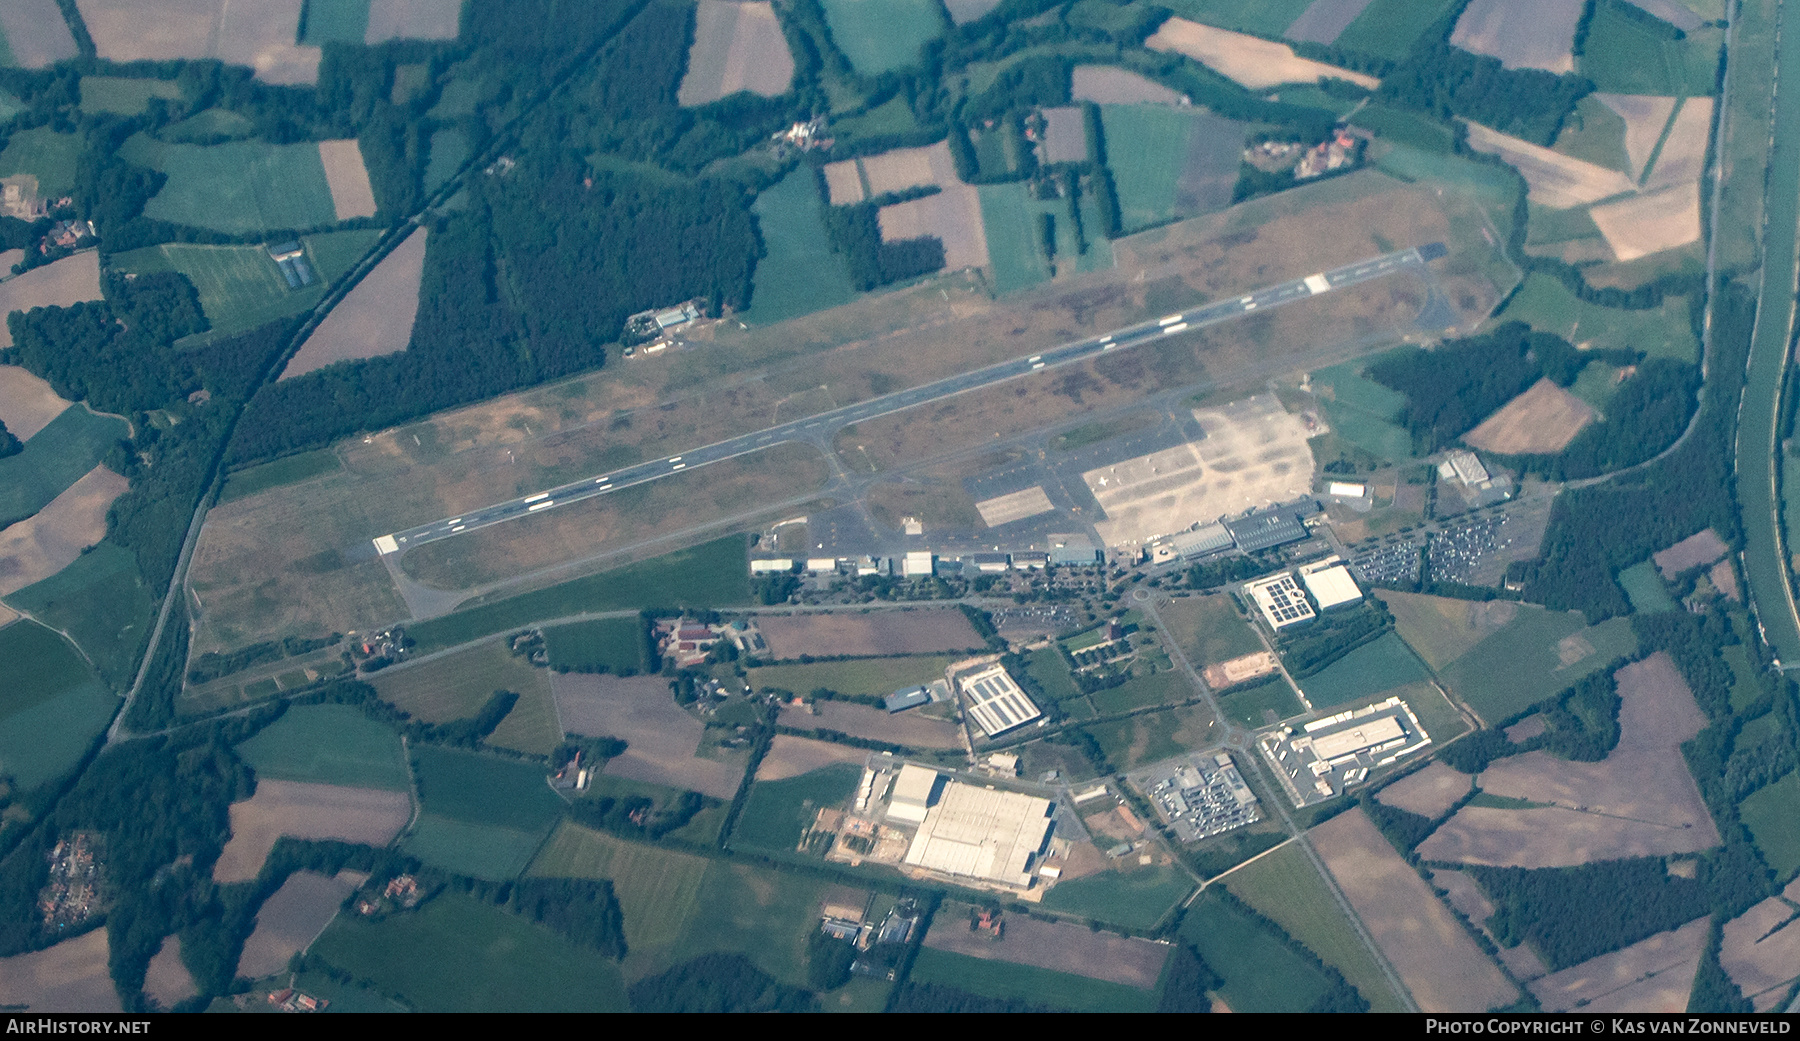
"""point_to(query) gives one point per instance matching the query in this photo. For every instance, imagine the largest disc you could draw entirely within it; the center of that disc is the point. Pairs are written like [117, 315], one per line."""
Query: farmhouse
[1279, 599]
[995, 702]
[982, 833]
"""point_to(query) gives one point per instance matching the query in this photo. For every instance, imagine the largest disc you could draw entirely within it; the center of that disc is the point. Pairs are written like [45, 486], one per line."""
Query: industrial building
[1330, 583]
[995, 702]
[1279, 599]
[1266, 529]
[912, 794]
[1331, 754]
[1464, 466]
[981, 833]
[911, 697]
[916, 563]
[1347, 489]
[1198, 543]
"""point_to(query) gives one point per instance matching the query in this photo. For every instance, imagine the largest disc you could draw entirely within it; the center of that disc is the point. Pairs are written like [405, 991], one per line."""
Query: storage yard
[1199, 795]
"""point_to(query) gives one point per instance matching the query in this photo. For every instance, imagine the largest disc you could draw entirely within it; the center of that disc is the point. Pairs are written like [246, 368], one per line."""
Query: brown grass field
[1421, 939]
[926, 631]
[904, 168]
[27, 403]
[1057, 946]
[1653, 975]
[259, 34]
[366, 816]
[790, 756]
[1465, 895]
[1650, 223]
[1759, 957]
[36, 33]
[376, 317]
[1523, 34]
[41, 545]
[1645, 116]
[456, 685]
[843, 180]
[662, 738]
[952, 215]
[737, 46]
[1683, 156]
[1544, 420]
[1549, 836]
[290, 920]
[1554, 179]
[70, 280]
[1696, 550]
[1249, 60]
[69, 977]
[412, 20]
[351, 194]
[1427, 793]
[906, 728]
[167, 981]
[1443, 629]
[1111, 85]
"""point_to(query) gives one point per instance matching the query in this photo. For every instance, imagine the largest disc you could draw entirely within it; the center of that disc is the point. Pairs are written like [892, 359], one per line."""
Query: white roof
[914, 785]
[1332, 586]
[1278, 598]
[1355, 739]
[821, 563]
[982, 833]
[1347, 489]
[996, 702]
[918, 562]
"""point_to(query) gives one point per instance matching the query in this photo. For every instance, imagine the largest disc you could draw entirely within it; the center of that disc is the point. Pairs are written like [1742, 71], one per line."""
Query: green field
[603, 645]
[714, 574]
[778, 812]
[1146, 149]
[1136, 740]
[1387, 28]
[288, 470]
[657, 888]
[1046, 666]
[1645, 589]
[799, 273]
[1379, 665]
[1247, 706]
[51, 705]
[1661, 332]
[489, 851]
[207, 126]
[1775, 827]
[1518, 665]
[449, 151]
[240, 188]
[1596, 134]
[1262, 17]
[1745, 687]
[1363, 412]
[1135, 900]
[484, 789]
[457, 954]
[1002, 979]
[457, 685]
[1163, 688]
[125, 97]
[334, 21]
[1208, 629]
[328, 744]
[54, 458]
[1285, 888]
[100, 600]
[882, 35]
[1623, 56]
[1015, 247]
[878, 676]
[1261, 973]
[45, 154]
[1401, 127]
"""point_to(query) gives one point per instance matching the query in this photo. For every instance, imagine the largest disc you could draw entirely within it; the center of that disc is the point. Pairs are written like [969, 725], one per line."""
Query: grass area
[1769, 814]
[489, 851]
[240, 187]
[1362, 412]
[1015, 247]
[1162, 688]
[1285, 888]
[613, 645]
[765, 915]
[799, 274]
[288, 470]
[658, 889]
[449, 149]
[335, 21]
[891, 117]
[1263, 17]
[484, 789]
[702, 830]
[778, 812]
[1388, 28]
[879, 676]
[1596, 385]
[54, 458]
[1132, 742]
[1518, 666]
[100, 600]
[1002, 979]
[328, 744]
[1645, 589]
[1596, 134]
[1208, 629]
[1387, 442]
[1261, 973]
[45, 154]
[208, 125]
[51, 705]
[882, 35]
[1047, 667]
[1623, 56]
[1146, 148]
[714, 574]
[1136, 900]
[124, 97]
[1436, 714]
[458, 954]
[1377, 666]
[1251, 706]
[1405, 128]
[1745, 687]
[1661, 332]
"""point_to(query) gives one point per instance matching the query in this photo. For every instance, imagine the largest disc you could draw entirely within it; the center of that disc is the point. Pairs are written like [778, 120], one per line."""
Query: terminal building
[995, 702]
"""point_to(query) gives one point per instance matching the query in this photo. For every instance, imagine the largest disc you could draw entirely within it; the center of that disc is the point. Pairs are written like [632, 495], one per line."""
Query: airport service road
[815, 428]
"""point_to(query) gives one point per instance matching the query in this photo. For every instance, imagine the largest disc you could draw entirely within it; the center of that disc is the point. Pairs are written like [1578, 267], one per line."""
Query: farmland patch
[124, 97]
[40, 546]
[288, 921]
[374, 319]
[1653, 975]
[1111, 85]
[412, 20]
[1650, 223]
[1056, 946]
[327, 744]
[1380, 665]
[1554, 180]
[1696, 550]
[1539, 653]
[1769, 814]
[821, 633]
[737, 46]
[1760, 950]
[1136, 899]
[167, 980]
[1645, 116]
[657, 888]
[952, 216]
[1548, 306]
[1523, 34]
[882, 35]
[240, 187]
[1427, 793]
[1388, 28]
[27, 403]
[878, 676]
[70, 280]
[51, 705]
[905, 728]
[100, 600]
[489, 851]
[1260, 972]
[261, 35]
[790, 756]
[1017, 981]
[1324, 20]
[364, 816]
[36, 34]
[1148, 737]
[347, 178]
[1208, 629]
[1262, 705]
[662, 739]
[71, 976]
[800, 273]
[1541, 421]
[1250, 61]
[1170, 162]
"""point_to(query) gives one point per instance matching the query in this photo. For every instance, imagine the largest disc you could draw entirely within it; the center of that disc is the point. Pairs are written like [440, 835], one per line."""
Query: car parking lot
[1199, 795]
[1396, 562]
[1469, 552]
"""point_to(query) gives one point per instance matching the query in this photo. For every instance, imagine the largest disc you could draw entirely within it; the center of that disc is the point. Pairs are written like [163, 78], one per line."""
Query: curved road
[824, 424]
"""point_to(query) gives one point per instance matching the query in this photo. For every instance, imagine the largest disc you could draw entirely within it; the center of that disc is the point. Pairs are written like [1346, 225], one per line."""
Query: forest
[1460, 383]
[1572, 914]
[1446, 82]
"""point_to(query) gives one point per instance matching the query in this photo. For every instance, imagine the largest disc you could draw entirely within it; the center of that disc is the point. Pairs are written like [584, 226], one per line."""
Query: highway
[813, 427]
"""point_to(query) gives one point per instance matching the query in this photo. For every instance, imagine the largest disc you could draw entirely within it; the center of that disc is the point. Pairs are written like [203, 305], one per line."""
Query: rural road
[819, 426]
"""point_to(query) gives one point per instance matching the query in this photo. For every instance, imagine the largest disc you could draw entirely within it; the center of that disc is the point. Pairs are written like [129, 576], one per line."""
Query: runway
[823, 424]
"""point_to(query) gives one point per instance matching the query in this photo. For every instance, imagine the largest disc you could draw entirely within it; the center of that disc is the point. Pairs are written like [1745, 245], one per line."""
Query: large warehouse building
[983, 833]
[995, 701]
